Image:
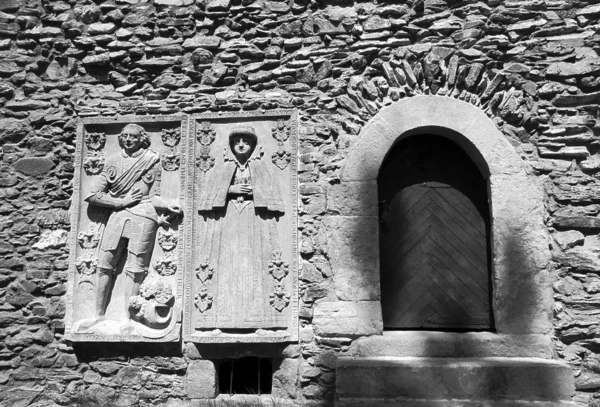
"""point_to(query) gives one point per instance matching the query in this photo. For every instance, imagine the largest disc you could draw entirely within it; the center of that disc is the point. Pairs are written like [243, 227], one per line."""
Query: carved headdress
[243, 131]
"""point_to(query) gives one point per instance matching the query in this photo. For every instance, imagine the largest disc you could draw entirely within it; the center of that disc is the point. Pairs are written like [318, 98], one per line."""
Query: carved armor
[137, 222]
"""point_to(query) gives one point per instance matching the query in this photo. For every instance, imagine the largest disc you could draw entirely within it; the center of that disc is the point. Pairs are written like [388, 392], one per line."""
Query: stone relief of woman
[240, 207]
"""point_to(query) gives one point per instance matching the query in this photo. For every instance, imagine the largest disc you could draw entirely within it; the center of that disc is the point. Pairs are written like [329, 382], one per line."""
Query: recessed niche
[247, 375]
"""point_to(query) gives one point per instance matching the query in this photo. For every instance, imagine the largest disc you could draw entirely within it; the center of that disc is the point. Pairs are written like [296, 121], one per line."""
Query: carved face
[242, 147]
[131, 139]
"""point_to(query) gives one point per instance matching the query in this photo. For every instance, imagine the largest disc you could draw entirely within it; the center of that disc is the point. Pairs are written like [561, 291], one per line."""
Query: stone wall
[532, 66]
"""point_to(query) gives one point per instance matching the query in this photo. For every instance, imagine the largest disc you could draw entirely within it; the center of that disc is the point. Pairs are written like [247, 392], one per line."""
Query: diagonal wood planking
[435, 262]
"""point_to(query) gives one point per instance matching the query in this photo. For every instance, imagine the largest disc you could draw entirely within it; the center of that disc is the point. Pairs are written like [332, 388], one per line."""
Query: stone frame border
[188, 162]
[522, 294]
[173, 336]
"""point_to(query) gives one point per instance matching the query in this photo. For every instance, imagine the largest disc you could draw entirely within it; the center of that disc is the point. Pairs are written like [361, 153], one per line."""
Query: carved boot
[133, 281]
[102, 294]
[103, 291]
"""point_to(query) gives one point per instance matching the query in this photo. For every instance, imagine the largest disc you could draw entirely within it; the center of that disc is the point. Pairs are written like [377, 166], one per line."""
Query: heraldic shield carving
[125, 280]
[241, 263]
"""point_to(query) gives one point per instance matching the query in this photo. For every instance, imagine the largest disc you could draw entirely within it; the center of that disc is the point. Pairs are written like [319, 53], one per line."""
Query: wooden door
[434, 238]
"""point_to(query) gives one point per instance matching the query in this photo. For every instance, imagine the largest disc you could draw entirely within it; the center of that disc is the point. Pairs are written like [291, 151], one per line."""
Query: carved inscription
[129, 185]
[243, 230]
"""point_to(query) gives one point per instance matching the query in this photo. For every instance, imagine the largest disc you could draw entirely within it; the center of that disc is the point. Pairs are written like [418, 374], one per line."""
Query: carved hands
[241, 189]
[132, 197]
[174, 211]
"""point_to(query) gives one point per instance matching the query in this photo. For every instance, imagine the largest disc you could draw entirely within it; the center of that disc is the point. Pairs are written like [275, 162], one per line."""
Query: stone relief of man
[129, 187]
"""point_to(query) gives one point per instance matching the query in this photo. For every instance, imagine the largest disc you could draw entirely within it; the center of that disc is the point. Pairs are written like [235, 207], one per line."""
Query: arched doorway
[434, 238]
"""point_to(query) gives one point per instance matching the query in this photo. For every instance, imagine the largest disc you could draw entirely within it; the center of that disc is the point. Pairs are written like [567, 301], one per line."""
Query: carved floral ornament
[203, 300]
[93, 164]
[90, 238]
[170, 160]
[171, 137]
[279, 299]
[277, 267]
[166, 265]
[204, 272]
[95, 141]
[167, 239]
[164, 290]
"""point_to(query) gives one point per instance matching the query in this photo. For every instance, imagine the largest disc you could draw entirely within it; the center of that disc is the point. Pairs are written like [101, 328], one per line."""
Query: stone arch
[522, 297]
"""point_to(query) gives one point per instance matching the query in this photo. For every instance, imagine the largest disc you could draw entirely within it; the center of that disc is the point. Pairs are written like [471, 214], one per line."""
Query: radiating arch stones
[522, 297]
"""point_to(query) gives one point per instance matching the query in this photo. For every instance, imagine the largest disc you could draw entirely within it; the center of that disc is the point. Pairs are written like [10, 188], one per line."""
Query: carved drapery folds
[242, 268]
[162, 222]
[126, 250]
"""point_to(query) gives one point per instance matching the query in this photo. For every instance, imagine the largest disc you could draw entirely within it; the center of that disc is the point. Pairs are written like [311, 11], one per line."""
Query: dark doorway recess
[434, 238]
[248, 375]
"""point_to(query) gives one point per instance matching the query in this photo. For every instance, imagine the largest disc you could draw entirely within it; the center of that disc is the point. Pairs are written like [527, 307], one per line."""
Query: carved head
[242, 141]
[133, 137]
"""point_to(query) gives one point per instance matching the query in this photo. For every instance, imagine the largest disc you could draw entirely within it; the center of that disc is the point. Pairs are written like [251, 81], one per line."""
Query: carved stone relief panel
[125, 280]
[241, 268]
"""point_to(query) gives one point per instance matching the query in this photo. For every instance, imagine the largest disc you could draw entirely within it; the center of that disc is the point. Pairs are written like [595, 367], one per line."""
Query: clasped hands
[241, 189]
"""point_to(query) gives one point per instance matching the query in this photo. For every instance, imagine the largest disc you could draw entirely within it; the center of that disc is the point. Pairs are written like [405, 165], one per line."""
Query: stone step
[425, 381]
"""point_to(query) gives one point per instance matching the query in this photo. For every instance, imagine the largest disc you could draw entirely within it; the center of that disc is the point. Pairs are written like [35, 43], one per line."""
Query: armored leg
[103, 289]
[135, 273]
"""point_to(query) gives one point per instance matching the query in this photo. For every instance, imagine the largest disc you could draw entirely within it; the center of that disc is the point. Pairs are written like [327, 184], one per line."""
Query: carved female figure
[240, 207]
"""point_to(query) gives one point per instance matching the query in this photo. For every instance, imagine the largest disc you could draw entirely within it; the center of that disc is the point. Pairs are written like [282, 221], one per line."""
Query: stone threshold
[452, 344]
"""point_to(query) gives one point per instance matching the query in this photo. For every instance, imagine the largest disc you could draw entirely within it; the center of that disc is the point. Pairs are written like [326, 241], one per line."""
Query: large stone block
[353, 250]
[347, 319]
[201, 380]
[522, 379]
[353, 198]
[452, 344]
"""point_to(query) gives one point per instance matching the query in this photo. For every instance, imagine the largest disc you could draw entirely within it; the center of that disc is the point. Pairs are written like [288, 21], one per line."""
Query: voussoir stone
[347, 319]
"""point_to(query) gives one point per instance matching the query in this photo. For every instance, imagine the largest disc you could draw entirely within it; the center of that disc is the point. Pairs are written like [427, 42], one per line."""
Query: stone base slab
[450, 403]
[445, 380]
[452, 344]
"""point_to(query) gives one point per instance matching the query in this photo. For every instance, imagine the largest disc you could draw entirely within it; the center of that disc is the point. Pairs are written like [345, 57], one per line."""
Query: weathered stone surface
[448, 344]
[531, 67]
[201, 380]
[34, 166]
[439, 378]
[569, 238]
[8, 68]
[51, 239]
[201, 41]
[353, 249]
[347, 319]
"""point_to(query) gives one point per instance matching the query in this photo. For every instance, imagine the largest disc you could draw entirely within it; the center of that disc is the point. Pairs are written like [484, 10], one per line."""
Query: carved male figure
[130, 187]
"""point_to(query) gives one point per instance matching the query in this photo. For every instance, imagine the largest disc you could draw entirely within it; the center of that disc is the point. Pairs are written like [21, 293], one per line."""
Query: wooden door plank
[393, 311]
[461, 232]
[456, 289]
[443, 263]
[460, 248]
[460, 221]
[467, 211]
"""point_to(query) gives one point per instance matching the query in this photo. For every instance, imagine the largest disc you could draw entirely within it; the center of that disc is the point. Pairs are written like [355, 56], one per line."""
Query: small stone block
[348, 319]
[201, 380]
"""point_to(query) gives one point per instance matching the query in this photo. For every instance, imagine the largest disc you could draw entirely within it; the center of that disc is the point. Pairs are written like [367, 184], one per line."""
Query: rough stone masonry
[531, 65]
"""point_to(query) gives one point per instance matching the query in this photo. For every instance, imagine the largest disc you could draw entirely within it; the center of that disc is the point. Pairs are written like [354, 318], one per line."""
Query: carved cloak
[265, 191]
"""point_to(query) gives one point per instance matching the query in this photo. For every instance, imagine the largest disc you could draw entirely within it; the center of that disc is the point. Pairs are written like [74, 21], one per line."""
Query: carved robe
[239, 236]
